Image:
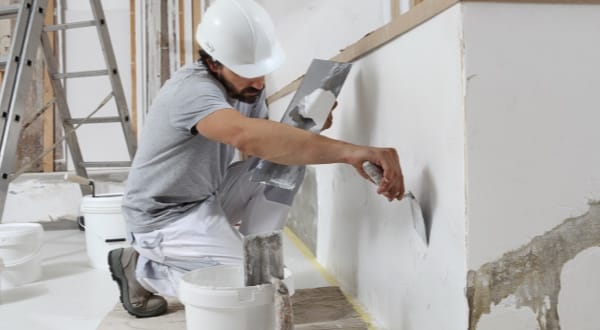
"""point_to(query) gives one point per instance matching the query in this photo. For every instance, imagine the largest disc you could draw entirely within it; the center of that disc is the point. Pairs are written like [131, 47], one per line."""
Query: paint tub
[104, 227]
[20, 251]
[216, 296]
[1, 269]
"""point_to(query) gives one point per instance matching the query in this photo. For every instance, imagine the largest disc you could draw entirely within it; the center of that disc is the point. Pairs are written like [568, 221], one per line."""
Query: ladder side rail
[14, 60]
[114, 77]
[23, 75]
[64, 112]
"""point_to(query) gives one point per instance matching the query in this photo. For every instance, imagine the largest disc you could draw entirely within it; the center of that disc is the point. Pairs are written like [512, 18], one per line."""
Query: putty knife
[263, 264]
[376, 174]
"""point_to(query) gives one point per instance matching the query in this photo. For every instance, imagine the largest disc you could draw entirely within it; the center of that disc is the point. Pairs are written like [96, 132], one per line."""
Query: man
[183, 194]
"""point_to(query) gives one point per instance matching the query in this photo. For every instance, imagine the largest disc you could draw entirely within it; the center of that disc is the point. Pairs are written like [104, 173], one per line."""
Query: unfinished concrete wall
[533, 183]
[408, 96]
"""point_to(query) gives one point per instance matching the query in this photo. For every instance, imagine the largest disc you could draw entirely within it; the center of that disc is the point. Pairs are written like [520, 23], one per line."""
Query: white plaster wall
[532, 113]
[98, 142]
[580, 297]
[319, 29]
[532, 140]
[409, 96]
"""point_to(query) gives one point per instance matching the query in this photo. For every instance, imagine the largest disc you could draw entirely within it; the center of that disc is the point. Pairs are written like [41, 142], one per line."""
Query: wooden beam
[395, 8]
[133, 48]
[48, 137]
[165, 47]
[196, 17]
[181, 27]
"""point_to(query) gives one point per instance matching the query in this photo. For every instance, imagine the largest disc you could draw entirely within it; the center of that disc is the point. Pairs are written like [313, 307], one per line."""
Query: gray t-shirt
[176, 168]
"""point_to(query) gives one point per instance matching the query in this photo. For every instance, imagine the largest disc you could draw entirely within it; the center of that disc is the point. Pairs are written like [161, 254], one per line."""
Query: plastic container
[20, 251]
[1, 269]
[104, 227]
[216, 296]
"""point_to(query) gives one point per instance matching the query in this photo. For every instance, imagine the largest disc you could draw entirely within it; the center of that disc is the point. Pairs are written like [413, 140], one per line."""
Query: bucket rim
[225, 296]
[186, 278]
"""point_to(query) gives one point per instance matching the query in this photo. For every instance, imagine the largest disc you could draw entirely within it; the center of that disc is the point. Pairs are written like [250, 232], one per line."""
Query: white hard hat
[241, 35]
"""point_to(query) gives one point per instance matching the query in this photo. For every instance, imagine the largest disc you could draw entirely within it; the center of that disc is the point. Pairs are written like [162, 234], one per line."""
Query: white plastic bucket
[104, 227]
[20, 251]
[1, 269]
[216, 296]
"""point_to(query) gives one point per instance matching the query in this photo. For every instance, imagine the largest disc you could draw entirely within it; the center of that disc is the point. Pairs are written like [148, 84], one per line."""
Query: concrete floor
[72, 295]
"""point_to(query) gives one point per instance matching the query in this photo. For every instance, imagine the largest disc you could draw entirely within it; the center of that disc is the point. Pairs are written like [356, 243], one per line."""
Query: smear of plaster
[532, 273]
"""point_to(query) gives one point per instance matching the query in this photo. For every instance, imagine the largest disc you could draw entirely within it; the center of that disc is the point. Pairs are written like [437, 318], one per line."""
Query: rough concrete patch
[532, 273]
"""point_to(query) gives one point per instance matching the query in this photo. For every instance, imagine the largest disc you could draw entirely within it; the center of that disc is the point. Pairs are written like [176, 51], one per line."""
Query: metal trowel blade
[417, 215]
[376, 174]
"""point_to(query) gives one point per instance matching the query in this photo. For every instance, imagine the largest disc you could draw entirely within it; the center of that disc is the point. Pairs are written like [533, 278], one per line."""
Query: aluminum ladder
[29, 33]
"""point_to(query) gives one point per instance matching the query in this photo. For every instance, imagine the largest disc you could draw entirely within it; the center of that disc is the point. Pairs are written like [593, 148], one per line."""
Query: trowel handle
[78, 179]
[375, 172]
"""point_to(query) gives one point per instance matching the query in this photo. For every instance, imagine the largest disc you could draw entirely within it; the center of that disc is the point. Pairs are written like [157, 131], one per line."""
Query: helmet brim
[262, 68]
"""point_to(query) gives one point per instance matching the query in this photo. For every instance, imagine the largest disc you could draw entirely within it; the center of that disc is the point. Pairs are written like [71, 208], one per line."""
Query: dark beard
[246, 95]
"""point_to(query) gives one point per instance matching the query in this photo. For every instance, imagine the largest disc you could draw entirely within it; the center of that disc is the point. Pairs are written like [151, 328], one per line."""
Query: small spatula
[376, 174]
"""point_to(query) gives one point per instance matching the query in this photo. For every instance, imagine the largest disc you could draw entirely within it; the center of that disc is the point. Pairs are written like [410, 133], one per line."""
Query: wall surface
[407, 96]
[319, 29]
[533, 182]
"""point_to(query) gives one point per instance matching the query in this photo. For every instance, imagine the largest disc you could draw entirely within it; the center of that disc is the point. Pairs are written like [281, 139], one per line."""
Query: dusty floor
[72, 295]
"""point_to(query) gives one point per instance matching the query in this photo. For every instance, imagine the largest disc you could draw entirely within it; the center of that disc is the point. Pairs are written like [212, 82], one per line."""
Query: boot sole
[118, 275]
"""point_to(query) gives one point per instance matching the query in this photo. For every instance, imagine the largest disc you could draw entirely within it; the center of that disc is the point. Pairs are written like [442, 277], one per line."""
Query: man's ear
[213, 66]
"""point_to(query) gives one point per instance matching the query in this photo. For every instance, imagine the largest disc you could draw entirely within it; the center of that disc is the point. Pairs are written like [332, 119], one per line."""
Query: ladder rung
[99, 120]
[66, 26]
[9, 11]
[81, 74]
[106, 164]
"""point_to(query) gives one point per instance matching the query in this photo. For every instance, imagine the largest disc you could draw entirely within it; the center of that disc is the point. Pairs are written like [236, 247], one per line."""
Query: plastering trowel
[308, 110]
[376, 174]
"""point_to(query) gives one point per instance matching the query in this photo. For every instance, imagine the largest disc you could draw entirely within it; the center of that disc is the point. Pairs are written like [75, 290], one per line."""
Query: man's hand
[392, 183]
[329, 120]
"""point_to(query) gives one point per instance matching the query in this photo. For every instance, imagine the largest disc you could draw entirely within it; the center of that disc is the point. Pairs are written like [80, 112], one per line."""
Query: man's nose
[258, 83]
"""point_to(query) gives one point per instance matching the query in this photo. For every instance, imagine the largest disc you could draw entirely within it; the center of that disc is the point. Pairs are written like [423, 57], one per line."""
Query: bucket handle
[23, 260]
[106, 240]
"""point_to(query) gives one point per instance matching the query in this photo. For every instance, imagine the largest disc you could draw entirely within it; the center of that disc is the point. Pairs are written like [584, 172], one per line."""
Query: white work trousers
[206, 236]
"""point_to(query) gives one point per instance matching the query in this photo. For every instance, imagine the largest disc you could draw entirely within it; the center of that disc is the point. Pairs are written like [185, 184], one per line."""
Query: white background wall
[407, 96]
[532, 140]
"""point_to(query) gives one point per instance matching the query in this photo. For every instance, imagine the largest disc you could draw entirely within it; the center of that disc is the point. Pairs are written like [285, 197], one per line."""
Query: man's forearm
[287, 145]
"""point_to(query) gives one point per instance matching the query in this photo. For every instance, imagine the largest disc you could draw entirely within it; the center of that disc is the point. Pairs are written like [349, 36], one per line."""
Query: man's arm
[284, 144]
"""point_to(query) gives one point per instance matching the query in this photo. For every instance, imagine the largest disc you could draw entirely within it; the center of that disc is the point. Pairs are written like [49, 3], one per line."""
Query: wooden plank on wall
[48, 138]
[397, 27]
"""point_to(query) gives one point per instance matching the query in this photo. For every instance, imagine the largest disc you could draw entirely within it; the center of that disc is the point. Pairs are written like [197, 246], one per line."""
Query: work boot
[138, 301]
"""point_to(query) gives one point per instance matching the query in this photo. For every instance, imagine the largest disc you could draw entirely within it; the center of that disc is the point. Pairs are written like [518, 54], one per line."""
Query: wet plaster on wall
[532, 273]
[303, 215]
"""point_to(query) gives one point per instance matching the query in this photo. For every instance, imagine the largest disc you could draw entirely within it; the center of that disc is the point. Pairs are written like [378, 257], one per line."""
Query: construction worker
[184, 195]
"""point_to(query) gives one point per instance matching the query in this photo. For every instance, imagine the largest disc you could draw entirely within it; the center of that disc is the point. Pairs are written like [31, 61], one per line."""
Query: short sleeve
[195, 99]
